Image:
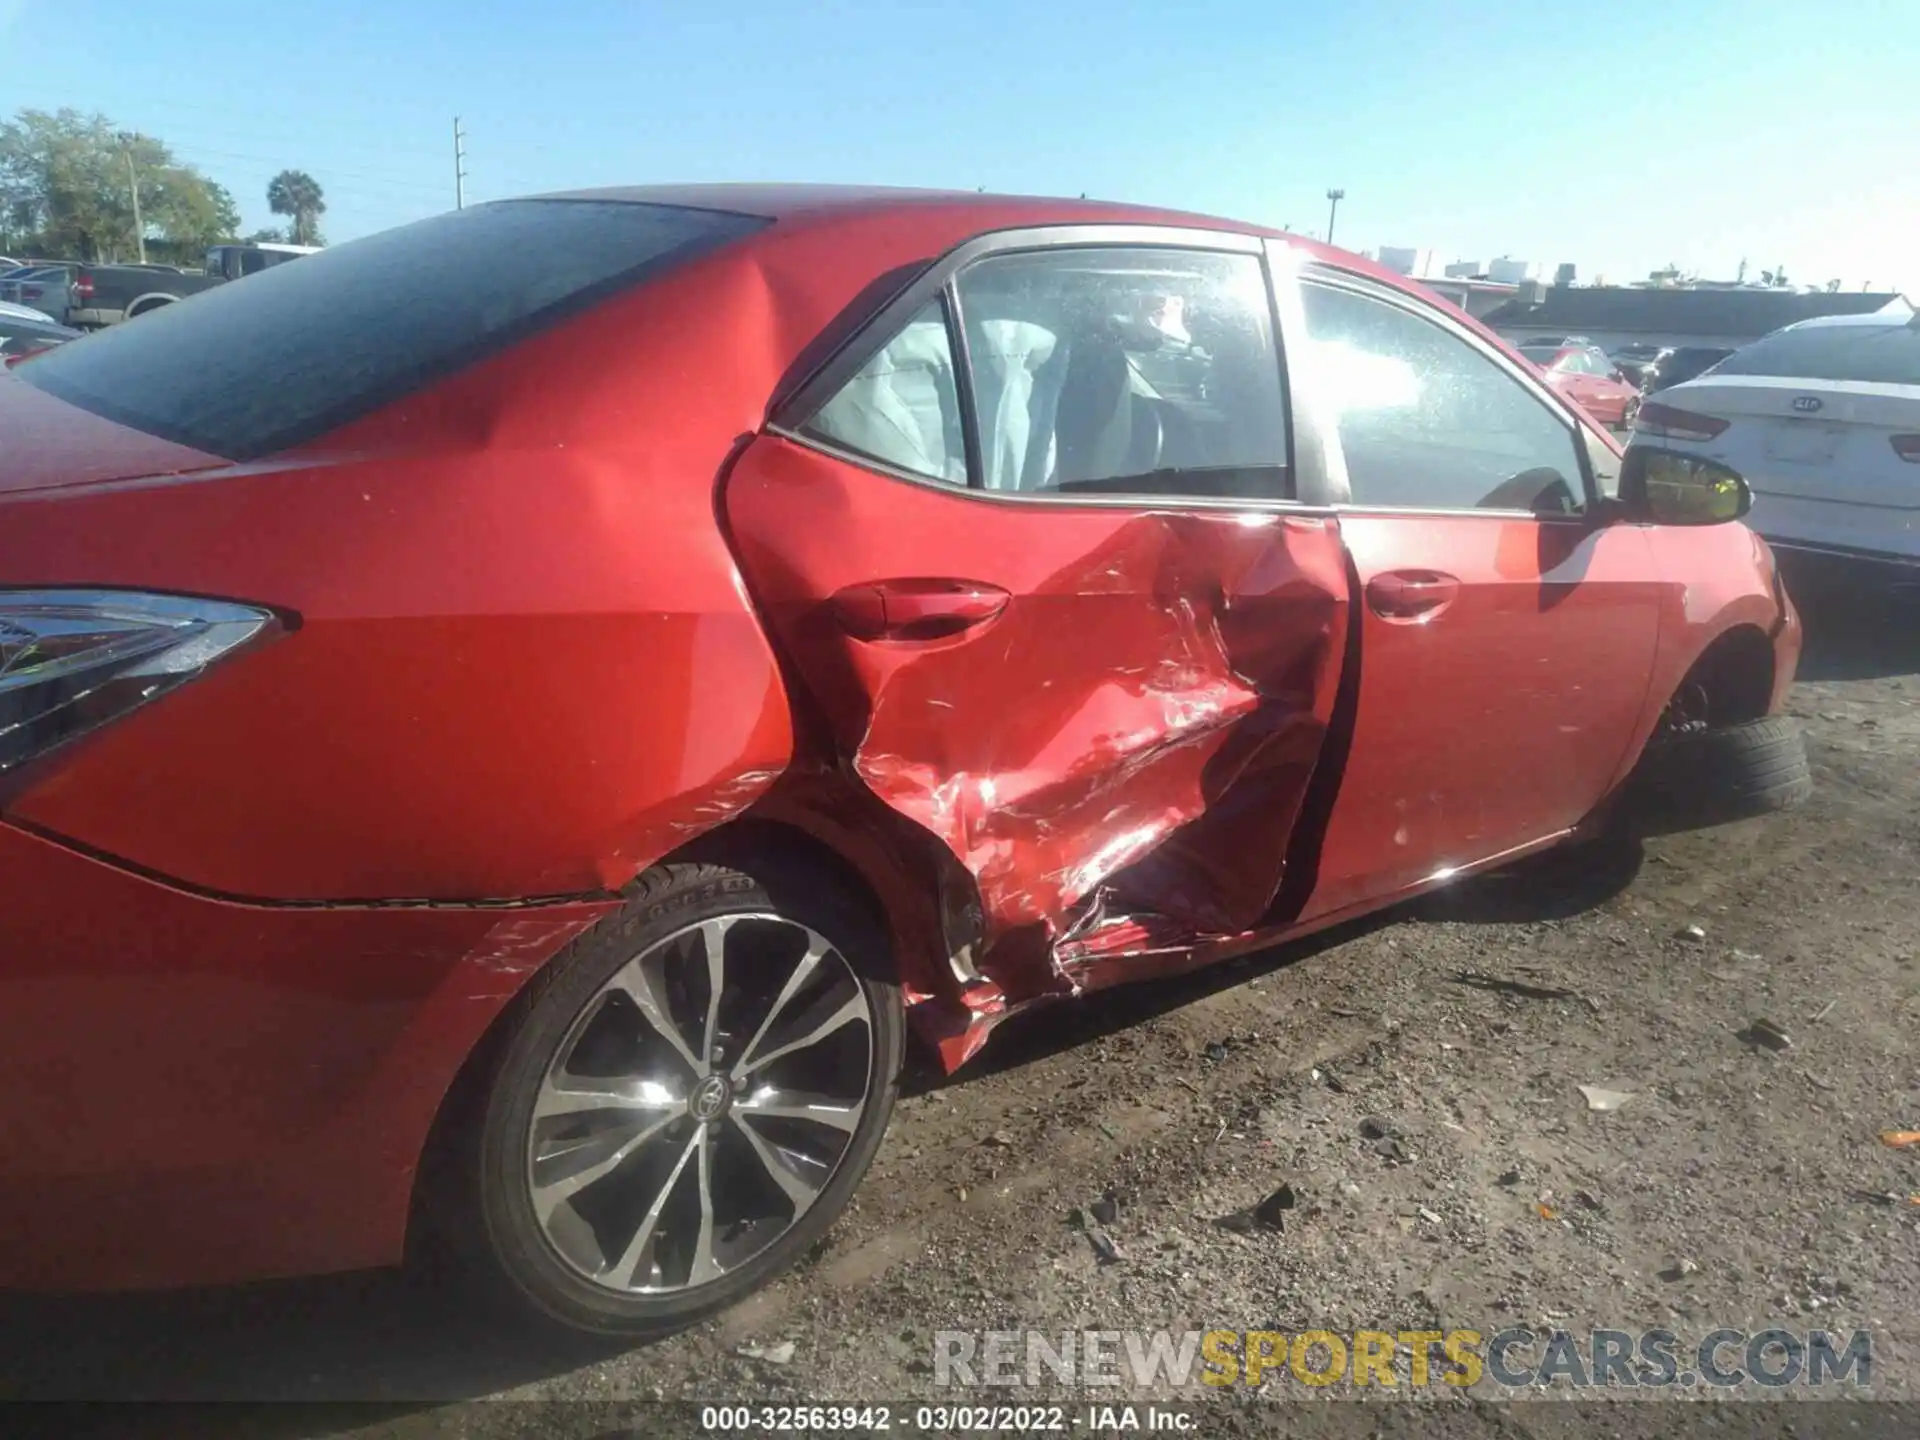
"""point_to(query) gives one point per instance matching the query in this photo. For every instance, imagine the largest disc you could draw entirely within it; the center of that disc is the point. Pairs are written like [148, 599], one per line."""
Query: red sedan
[516, 742]
[1585, 375]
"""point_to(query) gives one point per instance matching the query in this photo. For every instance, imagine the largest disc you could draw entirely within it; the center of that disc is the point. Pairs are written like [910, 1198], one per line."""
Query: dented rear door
[1056, 606]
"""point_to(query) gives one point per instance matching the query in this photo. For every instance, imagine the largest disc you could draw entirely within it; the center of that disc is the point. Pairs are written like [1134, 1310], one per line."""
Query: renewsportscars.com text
[1516, 1358]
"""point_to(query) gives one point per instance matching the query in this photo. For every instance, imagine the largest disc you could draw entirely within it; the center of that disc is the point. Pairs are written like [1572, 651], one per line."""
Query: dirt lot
[1740, 1186]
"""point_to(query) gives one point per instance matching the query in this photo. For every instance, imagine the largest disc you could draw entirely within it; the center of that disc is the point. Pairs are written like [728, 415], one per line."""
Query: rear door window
[1124, 370]
[903, 407]
[298, 350]
[1880, 354]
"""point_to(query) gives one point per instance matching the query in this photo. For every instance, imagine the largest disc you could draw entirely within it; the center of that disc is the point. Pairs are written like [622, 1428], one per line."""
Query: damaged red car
[510, 752]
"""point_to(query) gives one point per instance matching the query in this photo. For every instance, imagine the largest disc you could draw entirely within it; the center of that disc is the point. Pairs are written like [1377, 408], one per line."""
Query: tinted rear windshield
[274, 359]
[1885, 354]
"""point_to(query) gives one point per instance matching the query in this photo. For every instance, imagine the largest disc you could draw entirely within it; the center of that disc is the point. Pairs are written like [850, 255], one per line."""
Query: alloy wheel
[699, 1104]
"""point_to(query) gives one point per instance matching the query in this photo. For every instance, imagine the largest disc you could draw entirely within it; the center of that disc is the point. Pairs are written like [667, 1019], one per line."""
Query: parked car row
[25, 332]
[1823, 418]
[91, 297]
[1669, 365]
[1581, 371]
[42, 285]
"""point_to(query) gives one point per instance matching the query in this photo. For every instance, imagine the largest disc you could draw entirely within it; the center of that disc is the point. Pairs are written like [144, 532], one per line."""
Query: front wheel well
[1731, 683]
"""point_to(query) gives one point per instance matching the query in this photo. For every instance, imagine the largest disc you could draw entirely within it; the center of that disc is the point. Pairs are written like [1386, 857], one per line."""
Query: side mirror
[1667, 487]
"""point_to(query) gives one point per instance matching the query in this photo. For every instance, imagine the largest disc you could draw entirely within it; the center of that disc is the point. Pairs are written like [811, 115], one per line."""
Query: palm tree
[297, 194]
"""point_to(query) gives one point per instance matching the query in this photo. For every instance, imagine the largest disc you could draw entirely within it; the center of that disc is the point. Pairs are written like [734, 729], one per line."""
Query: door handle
[929, 609]
[1411, 595]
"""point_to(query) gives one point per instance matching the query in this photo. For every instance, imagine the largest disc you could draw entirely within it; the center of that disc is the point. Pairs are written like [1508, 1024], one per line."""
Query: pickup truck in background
[108, 294]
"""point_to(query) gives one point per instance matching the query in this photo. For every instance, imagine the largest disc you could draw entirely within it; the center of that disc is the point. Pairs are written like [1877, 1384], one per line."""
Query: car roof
[974, 212]
[1892, 319]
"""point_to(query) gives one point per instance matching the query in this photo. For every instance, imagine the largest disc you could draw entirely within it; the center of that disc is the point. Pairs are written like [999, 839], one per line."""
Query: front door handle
[926, 609]
[1411, 596]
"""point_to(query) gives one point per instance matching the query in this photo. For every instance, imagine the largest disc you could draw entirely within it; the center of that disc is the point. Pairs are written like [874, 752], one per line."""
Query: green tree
[297, 195]
[67, 183]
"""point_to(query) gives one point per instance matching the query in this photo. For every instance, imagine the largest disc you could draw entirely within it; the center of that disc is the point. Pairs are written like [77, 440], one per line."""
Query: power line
[278, 163]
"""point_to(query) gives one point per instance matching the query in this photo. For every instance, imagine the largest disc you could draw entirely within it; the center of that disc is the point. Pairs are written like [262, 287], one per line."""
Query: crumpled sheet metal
[1135, 737]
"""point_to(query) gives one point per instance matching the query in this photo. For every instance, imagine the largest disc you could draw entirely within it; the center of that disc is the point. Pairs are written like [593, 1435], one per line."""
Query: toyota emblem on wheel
[710, 1098]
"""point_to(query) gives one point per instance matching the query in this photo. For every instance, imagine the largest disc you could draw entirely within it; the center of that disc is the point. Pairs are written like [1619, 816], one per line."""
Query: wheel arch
[1734, 675]
[794, 839]
[152, 300]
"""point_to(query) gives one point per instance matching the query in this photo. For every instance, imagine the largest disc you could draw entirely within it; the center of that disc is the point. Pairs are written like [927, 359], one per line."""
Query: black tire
[1710, 777]
[488, 1202]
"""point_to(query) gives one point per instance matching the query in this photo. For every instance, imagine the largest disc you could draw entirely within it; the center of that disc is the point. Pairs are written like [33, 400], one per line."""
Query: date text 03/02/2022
[944, 1419]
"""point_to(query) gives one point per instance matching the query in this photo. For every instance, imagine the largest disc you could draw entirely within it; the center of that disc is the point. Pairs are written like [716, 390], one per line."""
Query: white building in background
[1405, 260]
[1512, 272]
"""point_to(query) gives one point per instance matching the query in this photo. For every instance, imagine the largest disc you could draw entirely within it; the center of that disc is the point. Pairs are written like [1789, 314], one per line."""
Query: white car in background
[1823, 420]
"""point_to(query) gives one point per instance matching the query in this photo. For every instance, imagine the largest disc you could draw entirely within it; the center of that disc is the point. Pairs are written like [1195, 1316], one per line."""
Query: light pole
[1334, 197]
[459, 165]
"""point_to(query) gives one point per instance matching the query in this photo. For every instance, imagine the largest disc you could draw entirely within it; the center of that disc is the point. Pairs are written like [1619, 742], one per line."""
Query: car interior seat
[901, 407]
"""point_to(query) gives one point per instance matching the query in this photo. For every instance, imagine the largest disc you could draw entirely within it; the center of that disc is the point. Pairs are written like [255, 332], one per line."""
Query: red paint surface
[197, 1091]
[49, 445]
[1061, 744]
[1502, 718]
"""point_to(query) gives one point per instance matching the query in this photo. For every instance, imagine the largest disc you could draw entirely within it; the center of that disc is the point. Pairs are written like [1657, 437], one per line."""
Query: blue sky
[1617, 134]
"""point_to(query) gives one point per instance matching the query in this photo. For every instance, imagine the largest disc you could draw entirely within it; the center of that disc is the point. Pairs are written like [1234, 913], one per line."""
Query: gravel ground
[1414, 1079]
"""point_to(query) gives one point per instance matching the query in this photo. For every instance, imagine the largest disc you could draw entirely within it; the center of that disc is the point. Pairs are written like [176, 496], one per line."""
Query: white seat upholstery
[1013, 391]
[901, 407]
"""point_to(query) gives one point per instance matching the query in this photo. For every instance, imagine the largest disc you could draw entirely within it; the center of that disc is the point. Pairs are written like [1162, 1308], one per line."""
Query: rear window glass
[1882, 354]
[258, 364]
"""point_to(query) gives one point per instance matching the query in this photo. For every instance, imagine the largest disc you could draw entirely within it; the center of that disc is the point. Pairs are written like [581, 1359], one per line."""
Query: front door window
[1429, 422]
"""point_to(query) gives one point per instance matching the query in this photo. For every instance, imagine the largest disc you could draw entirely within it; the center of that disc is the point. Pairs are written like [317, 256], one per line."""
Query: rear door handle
[926, 609]
[1411, 595]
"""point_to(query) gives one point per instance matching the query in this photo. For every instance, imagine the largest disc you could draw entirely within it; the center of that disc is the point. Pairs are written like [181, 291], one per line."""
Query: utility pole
[133, 184]
[1334, 197]
[459, 166]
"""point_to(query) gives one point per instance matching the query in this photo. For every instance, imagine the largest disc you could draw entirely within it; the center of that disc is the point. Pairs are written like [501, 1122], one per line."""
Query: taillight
[83, 286]
[31, 292]
[1907, 447]
[17, 357]
[1671, 423]
[74, 660]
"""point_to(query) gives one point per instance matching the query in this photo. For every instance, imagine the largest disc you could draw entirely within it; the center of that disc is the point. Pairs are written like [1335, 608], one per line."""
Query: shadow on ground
[393, 1340]
[1855, 630]
[1554, 886]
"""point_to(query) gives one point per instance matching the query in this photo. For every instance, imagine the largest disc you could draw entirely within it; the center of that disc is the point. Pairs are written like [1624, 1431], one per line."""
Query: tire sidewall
[512, 1236]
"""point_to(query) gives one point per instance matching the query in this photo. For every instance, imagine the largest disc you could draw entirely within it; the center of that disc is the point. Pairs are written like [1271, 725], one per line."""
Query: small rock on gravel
[1767, 1035]
[781, 1354]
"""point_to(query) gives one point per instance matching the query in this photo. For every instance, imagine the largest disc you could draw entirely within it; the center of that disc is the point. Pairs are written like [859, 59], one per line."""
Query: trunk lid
[1813, 439]
[52, 445]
